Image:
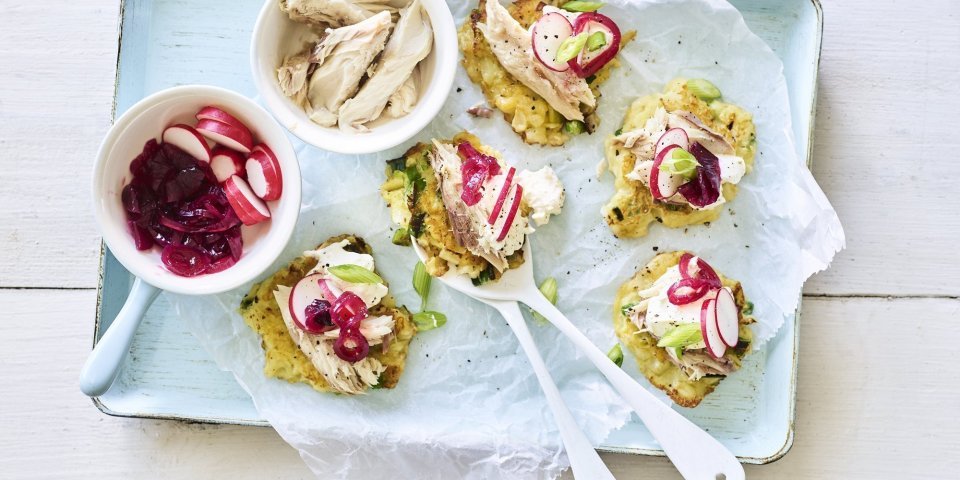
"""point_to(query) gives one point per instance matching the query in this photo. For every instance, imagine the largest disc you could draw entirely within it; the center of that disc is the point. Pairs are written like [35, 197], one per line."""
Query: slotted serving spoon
[694, 453]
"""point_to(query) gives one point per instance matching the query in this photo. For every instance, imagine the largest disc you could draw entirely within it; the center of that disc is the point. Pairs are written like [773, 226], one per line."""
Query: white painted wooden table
[879, 383]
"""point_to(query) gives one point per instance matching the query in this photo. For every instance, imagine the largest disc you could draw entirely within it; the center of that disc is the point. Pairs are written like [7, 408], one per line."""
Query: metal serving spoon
[585, 462]
[694, 453]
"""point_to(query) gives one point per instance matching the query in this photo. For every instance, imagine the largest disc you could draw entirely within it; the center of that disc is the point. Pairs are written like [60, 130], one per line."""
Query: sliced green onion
[428, 320]
[421, 283]
[680, 162]
[580, 6]
[596, 41]
[549, 290]
[748, 309]
[401, 237]
[681, 336]
[703, 89]
[616, 355]
[354, 274]
[574, 127]
[571, 47]
[625, 310]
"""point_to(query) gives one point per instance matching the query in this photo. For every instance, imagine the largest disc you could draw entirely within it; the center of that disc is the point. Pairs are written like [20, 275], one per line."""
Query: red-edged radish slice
[189, 140]
[250, 209]
[708, 329]
[589, 63]
[214, 113]
[234, 137]
[263, 173]
[504, 191]
[728, 318]
[699, 269]
[673, 136]
[547, 34]
[662, 184]
[304, 293]
[328, 294]
[226, 163]
[511, 214]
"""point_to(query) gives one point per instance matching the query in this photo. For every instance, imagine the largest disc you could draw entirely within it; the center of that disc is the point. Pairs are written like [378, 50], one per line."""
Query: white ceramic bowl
[146, 120]
[275, 37]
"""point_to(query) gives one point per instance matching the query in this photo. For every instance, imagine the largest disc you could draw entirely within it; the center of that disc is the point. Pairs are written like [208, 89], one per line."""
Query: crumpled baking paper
[468, 405]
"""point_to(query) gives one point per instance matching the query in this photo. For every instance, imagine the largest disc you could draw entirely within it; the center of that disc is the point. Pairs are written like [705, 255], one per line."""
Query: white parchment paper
[468, 405]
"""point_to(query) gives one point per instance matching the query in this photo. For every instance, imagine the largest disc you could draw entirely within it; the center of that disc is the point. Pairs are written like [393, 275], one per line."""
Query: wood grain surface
[878, 390]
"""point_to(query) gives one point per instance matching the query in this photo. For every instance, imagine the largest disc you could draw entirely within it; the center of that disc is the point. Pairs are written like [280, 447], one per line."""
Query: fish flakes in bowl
[354, 78]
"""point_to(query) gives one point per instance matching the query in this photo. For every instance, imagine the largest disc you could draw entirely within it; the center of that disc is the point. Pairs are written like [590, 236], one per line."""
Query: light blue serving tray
[168, 375]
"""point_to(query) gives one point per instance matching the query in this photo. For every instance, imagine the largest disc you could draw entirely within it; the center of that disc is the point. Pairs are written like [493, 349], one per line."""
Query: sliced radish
[328, 294]
[234, 137]
[263, 173]
[589, 63]
[708, 329]
[226, 163]
[728, 318]
[250, 209]
[547, 34]
[302, 295]
[189, 140]
[504, 191]
[511, 214]
[662, 184]
[699, 269]
[214, 113]
[673, 136]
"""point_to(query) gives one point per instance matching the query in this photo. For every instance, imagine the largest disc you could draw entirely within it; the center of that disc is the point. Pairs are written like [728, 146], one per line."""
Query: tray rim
[212, 420]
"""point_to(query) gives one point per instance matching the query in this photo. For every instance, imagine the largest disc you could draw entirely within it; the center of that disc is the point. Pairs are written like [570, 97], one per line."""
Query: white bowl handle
[104, 363]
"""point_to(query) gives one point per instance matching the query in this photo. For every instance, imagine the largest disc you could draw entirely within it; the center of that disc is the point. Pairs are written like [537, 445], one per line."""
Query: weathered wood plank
[57, 64]
[884, 145]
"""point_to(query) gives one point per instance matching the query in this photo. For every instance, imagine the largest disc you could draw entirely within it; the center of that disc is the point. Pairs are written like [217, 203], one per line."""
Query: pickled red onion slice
[348, 310]
[688, 290]
[185, 261]
[701, 270]
[475, 170]
[351, 346]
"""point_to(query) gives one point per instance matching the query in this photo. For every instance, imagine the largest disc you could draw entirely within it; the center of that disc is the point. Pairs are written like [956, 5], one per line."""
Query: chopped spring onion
[550, 291]
[582, 6]
[574, 127]
[616, 355]
[596, 41]
[421, 283]
[428, 320]
[354, 274]
[703, 89]
[401, 237]
[680, 162]
[682, 336]
[571, 47]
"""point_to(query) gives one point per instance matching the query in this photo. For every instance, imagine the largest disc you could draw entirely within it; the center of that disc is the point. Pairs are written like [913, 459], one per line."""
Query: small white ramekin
[146, 120]
[276, 37]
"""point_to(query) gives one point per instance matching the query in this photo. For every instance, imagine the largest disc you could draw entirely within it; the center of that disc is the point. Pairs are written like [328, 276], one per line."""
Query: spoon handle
[694, 453]
[103, 364]
[585, 462]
